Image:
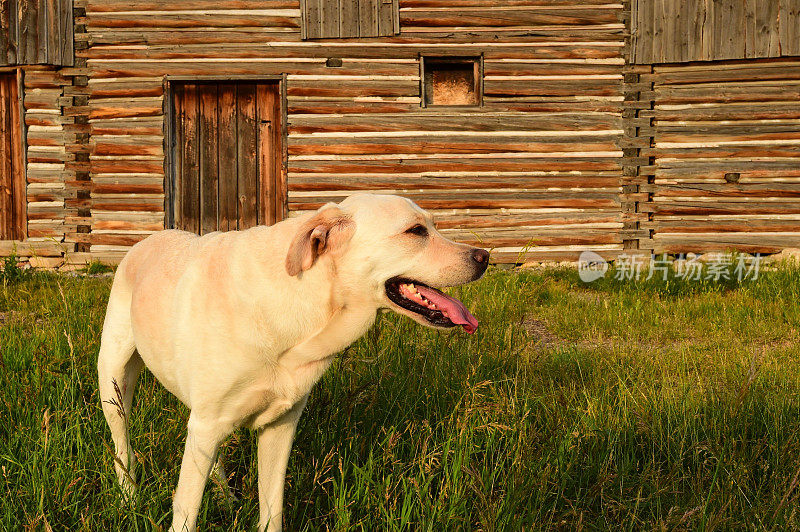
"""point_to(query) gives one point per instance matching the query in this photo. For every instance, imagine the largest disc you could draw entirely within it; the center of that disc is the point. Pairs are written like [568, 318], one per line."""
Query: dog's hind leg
[118, 367]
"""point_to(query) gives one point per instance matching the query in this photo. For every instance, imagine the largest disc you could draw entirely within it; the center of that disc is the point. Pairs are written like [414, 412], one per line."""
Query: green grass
[611, 405]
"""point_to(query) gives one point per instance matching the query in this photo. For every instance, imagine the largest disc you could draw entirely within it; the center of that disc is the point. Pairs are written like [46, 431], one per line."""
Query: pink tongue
[451, 307]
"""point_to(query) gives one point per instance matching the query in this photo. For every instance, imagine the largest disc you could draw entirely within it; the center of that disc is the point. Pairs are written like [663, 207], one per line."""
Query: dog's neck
[322, 314]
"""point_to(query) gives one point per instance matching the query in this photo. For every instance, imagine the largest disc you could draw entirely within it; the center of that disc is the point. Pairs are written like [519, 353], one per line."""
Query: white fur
[222, 324]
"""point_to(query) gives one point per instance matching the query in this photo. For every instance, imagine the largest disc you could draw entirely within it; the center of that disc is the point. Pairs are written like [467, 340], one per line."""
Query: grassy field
[612, 405]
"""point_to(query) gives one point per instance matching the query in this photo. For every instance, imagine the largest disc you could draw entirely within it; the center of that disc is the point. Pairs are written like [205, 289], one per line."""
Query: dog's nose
[481, 256]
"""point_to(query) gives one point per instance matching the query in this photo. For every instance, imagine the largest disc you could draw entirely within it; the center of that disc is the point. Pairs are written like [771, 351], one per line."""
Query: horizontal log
[300, 182]
[726, 225]
[717, 207]
[728, 73]
[108, 239]
[467, 200]
[570, 147]
[110, 6]
[710, 190]
[547, 4]
[508, 16]
[124, 165]
[519, 86]
[120, 225]
[485, 120]
[725, 242]
[490, 164]
[213, 18]
[30, 248]
[667, 116]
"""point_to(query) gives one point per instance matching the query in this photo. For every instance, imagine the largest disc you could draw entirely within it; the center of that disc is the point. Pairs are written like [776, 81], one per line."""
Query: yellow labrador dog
[241, 325]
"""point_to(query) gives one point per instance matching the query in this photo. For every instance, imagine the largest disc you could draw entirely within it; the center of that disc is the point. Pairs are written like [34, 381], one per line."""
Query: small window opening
[451, 81]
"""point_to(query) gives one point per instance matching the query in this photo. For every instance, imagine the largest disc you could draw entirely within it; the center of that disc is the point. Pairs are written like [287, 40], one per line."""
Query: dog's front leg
[274, 446]
[202, 441]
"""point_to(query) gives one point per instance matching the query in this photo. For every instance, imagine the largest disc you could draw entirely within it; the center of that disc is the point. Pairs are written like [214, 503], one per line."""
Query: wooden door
[226, 155]
[12, 175]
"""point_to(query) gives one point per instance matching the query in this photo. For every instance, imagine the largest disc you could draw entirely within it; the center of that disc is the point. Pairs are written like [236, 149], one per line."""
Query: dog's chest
[299, 368]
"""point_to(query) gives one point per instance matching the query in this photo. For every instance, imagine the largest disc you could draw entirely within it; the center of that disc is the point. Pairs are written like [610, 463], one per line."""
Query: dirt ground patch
[538, 332]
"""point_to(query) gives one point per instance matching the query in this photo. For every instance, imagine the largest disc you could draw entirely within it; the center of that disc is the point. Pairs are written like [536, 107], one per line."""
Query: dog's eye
[419, 230]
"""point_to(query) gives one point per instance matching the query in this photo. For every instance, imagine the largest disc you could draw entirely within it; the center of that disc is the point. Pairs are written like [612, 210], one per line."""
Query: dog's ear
[325, 232]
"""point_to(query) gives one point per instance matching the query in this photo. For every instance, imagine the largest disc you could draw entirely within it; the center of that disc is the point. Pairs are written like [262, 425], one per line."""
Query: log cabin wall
[36, 42]
[715, 90]
[726, 159]
[577, 143]
[534, 172]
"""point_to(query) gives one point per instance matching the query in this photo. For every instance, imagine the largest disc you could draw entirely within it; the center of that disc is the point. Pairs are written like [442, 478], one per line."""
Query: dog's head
[388, 249]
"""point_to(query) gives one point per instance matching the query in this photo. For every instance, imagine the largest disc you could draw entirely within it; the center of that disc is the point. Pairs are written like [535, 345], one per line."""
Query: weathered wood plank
[484, 4]
[66, 30]
[28, 32]
[17, 158]
[268, 110]
[349, 18]
[704, 243]
[750, 29]
[228, 164]
[493, 163]
[789, 32]
[767, 28]
[328, 182]
[368, 18]
[330, 15]
[208, 157]
[111, 6]
[189, 186]
[487, 121]
[312, 13]
[247, 155]
[176, 157]
[50, 50]
[210, 18]
[494, 18]
[6, 170]
[385, 17]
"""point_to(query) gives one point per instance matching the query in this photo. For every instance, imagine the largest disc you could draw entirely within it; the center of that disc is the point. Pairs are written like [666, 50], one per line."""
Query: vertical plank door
[226, 156]
[12, 175]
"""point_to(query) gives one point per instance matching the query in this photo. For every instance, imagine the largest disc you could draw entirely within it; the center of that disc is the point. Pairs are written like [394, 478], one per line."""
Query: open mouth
[436, 308]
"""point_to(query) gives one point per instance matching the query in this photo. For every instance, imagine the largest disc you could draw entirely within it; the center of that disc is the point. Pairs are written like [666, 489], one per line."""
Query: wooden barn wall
[47, 177]
[727, 156]
[672, 31]
[534, 173]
